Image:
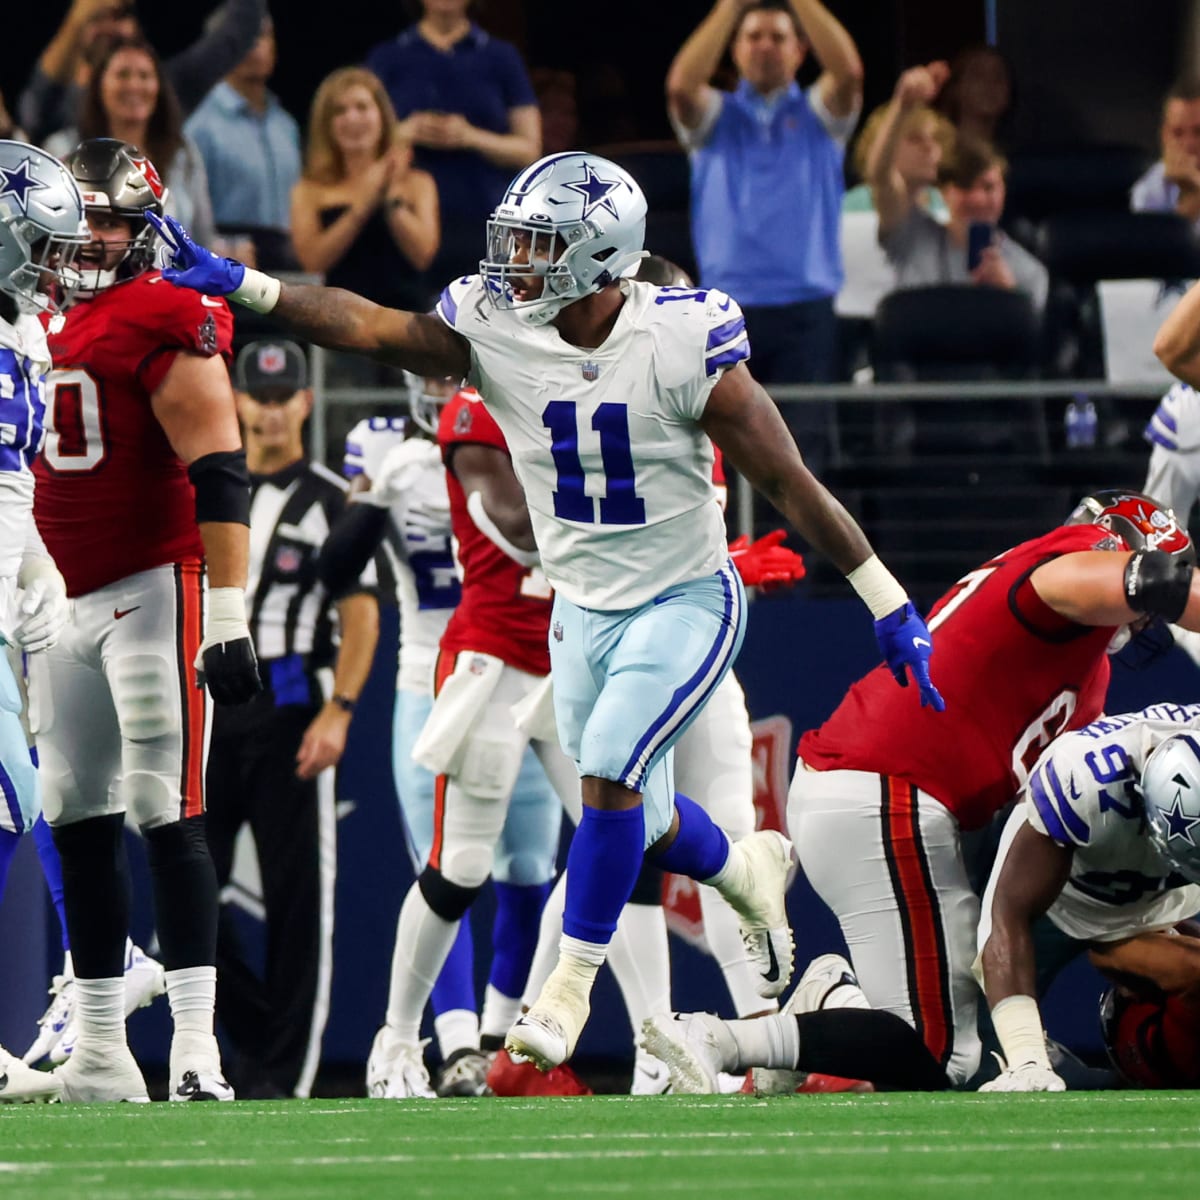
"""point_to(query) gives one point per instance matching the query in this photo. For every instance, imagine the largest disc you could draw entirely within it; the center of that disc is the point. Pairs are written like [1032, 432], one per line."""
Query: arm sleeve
[348, 551]
[838, 128]
[194, 71]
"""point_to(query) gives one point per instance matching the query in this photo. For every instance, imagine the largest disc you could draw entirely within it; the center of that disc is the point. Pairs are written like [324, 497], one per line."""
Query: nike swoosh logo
[1073, 788]
[664, 599]
[118, 613]
[773, 974]
[920, 641]
[725, 306]
[211, 302]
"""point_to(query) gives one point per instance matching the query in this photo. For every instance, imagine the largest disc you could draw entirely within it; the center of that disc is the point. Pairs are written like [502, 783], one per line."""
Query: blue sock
[9, 842]
[455, 985]
[515, 934]
[602, 866]
[43, 839]
[700, 848]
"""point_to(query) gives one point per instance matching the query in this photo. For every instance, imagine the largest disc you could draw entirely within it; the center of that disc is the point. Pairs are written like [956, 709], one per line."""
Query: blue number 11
[620, 505]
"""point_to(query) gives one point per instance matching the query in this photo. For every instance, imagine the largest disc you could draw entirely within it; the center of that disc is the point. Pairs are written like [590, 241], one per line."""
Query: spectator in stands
[468, 107]
[1173, 183]
[52, 96]
[559, 108]
[767, 172]
[129, 98]
[251, 151]
[925, 252]
[977, 97]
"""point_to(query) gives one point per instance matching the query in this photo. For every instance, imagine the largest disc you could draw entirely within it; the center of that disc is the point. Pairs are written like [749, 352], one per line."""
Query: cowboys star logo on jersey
[18, 183]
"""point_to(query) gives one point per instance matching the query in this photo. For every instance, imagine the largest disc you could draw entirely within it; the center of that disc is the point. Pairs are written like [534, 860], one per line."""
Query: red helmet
[1138, 520]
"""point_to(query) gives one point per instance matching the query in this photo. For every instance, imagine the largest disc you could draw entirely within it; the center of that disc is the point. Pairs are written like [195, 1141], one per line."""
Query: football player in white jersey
[1105, 842]
[607, 392]
[41, 229]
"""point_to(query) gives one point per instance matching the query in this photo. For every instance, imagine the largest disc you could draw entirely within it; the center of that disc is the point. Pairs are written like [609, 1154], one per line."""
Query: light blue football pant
[627, 684]
[22, 797]
[527, 850]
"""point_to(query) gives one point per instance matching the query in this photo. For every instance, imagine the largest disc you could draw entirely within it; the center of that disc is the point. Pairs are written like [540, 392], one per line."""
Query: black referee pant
[273, 1018]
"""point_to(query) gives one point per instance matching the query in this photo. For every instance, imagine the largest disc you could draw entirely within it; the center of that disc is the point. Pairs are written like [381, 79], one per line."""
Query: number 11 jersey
[616, 470]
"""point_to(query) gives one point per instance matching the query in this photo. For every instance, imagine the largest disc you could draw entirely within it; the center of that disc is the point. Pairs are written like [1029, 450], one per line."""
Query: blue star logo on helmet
[596, 192]
[1179, 823]
[18, 183]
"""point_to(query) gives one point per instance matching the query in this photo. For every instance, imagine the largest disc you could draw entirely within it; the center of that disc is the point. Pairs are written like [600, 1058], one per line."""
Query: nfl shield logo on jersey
[590, 371]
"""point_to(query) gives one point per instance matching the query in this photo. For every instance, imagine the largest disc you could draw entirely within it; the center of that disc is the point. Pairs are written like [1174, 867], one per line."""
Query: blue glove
[903, 638]
[195, 266]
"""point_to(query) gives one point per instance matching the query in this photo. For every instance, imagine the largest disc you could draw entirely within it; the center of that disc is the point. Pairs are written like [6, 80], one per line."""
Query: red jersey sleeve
[465, 421]
[177, 319]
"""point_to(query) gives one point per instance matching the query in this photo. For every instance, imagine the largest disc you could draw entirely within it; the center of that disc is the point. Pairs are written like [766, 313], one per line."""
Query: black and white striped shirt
[291, 513]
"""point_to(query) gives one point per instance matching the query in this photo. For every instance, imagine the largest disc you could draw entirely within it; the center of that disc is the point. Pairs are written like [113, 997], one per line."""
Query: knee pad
[448, 900]
[145, 689]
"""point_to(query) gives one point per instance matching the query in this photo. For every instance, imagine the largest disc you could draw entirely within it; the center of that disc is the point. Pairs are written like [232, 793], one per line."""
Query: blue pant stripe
[12, 800]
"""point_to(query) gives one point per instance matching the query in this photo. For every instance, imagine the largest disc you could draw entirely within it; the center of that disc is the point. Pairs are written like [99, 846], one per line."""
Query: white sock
[457, 1030]
[192, 992]
[724, 940]
[641, 961]
[100, 1011]
[423, 940]
[546, 954]
[772, 1042]
[499, 1012]
[733, 879]
[68, 966]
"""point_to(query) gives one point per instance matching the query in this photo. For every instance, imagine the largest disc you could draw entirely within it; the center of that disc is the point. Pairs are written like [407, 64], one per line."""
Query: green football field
[1019, 1147]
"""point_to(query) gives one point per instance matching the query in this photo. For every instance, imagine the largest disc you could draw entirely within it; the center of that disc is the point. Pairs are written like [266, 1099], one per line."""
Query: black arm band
[1158, 583]
[222, 486]
[346, 551]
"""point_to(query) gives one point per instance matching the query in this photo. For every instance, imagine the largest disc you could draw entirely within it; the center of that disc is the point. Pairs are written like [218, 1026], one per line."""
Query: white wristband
[257, 291]
[1018, 1025]
[226, 615]
[877, 586]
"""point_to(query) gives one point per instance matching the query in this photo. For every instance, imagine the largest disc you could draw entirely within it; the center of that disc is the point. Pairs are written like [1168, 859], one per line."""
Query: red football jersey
[505, 607]
[112, 497]
[1014, 675]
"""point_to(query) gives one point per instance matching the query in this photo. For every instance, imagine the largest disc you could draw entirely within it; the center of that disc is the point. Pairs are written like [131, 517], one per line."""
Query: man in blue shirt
[767, 179]
[251, 151]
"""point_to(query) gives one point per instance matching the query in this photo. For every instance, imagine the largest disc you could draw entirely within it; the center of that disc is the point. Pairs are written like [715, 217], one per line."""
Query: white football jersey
[1084, 792]
[419, 547]
[369, 441]
[616, 470]
[1173, 477]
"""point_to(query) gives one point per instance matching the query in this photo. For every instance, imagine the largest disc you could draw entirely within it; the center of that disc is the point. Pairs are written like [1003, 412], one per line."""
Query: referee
[270, 762]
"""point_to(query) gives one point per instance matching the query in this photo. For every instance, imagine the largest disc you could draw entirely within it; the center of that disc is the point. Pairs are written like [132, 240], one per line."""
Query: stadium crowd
[565, 648]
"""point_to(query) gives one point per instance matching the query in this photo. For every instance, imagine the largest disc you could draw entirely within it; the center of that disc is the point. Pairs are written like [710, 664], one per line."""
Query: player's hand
[193, 266]
[43, 609]
[226, 661]
[906, 646]
[766, 563]
[323, 743]
[1027, 1077]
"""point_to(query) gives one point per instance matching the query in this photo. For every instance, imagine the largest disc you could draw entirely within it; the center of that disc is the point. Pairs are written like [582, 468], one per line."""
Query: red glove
[766, 563]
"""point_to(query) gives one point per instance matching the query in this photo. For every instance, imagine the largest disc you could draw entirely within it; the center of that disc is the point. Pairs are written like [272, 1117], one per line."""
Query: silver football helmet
[426, 399]
[1171, 793]
[41, 227]
[575, 222]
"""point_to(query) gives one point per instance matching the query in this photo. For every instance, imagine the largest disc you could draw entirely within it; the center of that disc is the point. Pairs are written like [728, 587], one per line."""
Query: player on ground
[882, 791]
[607, 392]
[1105, 846]
[146, 445]
[41, 229]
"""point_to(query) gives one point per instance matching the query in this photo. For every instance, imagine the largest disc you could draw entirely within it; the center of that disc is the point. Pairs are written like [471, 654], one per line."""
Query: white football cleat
[696, 1047]
[547, 1033]
[21, 1084]
[465, 1074]
[202, 1085]
[828, 982]
[759, 903]
[54, 1022]
[102, 1075]
[1026, 1077]
[651, 1076]
[196, 1072]
[396, 1070]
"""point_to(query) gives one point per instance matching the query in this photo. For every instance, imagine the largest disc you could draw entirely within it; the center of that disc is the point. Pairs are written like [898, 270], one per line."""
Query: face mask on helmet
[1141, 523]
[569, 225]
[41, 228]
[119, 184]
[1171, 794]
[426, 405]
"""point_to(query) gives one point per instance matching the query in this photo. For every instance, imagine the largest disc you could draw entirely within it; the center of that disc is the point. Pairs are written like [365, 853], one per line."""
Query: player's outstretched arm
[1177, 343]
[743, 420]
[1168, 960]
[330, 317]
